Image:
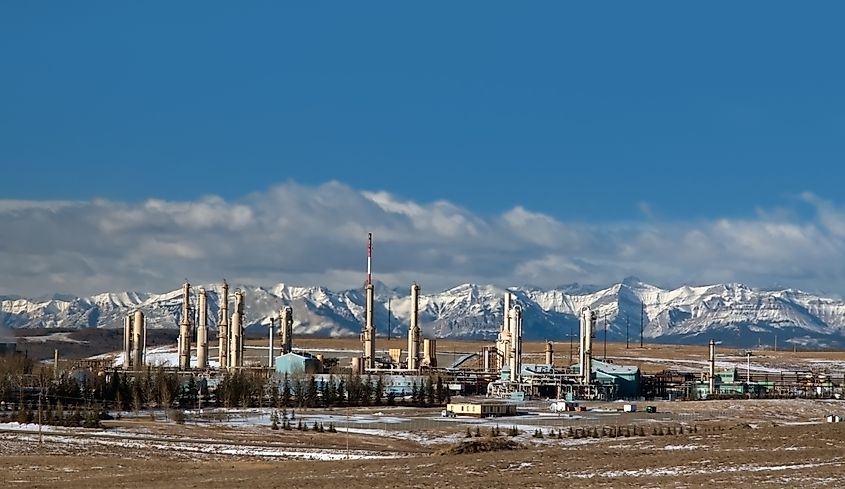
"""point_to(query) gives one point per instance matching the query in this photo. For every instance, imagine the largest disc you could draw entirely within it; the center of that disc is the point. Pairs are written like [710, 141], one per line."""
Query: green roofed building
[298, 363]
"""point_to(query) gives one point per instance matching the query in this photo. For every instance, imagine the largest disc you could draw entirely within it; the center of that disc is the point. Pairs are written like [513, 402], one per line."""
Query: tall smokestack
[414, 329]
[369, 258]
[712, 378]
[202, 329]
[223, 328]
[587, 318]
[368, 337]
[549, 353]
[185, 329]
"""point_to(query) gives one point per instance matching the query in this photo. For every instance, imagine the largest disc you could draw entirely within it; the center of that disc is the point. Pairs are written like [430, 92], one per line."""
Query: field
[776, 443]
[733, 443]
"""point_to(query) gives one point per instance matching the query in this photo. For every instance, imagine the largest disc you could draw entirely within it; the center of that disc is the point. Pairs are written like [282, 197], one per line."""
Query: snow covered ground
[162, 356]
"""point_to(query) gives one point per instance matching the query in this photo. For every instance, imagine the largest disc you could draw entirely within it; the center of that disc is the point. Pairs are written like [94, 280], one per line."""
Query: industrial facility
[499, 370]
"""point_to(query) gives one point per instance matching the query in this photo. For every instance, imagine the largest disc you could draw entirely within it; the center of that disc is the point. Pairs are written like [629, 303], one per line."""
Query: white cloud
[308, 235]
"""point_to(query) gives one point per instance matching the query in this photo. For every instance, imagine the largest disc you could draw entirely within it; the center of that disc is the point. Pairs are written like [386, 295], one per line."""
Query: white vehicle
[447, 414]
[562, 406]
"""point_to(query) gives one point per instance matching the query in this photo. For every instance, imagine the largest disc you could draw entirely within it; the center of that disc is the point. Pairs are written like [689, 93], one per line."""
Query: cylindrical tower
[515, 322]
[286, 327]
[185, 329]
[487, 358]
[271, 352]
[202, 329]
[429, 353]
[127, 342]
[711, 387]
[236, 336]
[223, 328]
[138, 339]
[587, 319]
[549, 353]
[369, 336]
[414, 329]
[503, 343]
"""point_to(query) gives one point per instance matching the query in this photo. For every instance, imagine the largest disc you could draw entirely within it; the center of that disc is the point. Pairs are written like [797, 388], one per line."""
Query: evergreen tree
[429, 392]
[323, 392]
[330, 394]
[378, 391]
[286, 391]
[341, 395]
[439, 391]
[299, 389]
[414, 392]
[275, 399]
[311, 392]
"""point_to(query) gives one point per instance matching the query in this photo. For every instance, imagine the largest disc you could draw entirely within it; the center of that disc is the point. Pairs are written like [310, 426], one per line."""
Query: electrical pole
[605, 337]
[40, 393]
[388, 319]
[626, 331]
[642, 316]
[570, 345]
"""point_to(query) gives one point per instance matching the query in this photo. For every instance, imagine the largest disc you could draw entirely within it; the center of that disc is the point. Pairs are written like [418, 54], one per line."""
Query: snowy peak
[733, 313]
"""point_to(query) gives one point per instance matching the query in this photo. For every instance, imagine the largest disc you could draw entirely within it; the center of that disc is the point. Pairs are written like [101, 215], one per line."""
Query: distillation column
[223, 328]
[429, 353]
[127, 342]
[139, 339]
[549, 353]
[711, 387]
[503, 343]
[271, 352]
[414, 330]
[286, 327]
[587, 318]
[236, 346]
[185, 329]
[202, 330]
[515, 323]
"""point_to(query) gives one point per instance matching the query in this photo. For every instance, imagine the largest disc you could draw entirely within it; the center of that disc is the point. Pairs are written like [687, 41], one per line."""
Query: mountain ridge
[732, 313]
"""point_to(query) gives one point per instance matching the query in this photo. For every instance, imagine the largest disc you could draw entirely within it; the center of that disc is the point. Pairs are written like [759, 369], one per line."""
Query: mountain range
[731, 313]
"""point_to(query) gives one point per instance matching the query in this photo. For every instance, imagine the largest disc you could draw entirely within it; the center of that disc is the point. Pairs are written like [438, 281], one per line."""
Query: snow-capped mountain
[732, 313]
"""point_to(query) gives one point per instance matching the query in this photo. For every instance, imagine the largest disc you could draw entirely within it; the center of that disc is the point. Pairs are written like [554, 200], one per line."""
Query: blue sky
[613, 114]
[567, 110]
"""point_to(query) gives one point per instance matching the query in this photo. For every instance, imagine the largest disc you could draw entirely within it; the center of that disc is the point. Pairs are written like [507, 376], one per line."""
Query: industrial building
[482, 409]
[624, 382]
[297, 363]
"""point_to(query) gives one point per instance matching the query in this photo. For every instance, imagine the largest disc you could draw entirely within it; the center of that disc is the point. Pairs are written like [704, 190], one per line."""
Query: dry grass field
[729, 443]
[734, 455]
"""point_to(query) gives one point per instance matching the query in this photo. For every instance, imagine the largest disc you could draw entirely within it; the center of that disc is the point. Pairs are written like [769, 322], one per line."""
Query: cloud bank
[316, 235]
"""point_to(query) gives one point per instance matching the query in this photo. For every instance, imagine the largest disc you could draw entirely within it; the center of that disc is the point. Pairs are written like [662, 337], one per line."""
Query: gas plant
[498, 369]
